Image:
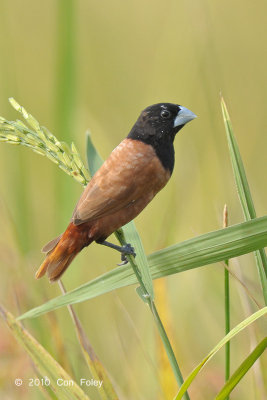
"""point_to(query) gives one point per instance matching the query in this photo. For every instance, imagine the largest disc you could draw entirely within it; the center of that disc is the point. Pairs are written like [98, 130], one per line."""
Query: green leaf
[242, 370]
[203, 250]
[94, 160]
[131, 236]
[238, 167]
[45, 364]
[246, 322]
[244, 193]
[129, 232]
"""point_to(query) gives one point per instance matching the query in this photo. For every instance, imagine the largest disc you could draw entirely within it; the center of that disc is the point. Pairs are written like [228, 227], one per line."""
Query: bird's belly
[152, 180]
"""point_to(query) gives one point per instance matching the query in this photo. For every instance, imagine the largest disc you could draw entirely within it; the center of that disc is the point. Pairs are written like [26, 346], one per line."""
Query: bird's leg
[124, 250]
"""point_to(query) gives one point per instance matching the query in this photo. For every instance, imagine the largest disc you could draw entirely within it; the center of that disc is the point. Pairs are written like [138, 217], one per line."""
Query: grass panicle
[43, 142]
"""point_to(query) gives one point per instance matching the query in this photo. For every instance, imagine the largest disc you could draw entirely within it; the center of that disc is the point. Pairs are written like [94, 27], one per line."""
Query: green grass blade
[128, 233]
[131, 236]
[209, 248]
[45, 364]
[246, 322]
[238, 167]
[94, 160]
[205, 249]
[242, 370]
[244, 193]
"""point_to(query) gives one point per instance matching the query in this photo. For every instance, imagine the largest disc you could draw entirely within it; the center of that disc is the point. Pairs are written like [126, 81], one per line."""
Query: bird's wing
[121, 180]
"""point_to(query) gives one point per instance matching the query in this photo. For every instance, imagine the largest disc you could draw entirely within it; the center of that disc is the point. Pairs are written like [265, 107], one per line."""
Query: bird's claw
[127, 249]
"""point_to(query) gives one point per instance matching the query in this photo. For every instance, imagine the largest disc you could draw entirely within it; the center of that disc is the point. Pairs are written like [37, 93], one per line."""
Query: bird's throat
[163, 147]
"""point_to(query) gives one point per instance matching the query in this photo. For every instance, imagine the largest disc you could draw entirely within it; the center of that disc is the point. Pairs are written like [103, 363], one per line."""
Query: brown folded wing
[128, 173]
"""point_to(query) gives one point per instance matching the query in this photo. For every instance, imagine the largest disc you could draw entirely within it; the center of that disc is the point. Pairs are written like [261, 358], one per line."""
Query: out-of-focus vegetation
[85, 64]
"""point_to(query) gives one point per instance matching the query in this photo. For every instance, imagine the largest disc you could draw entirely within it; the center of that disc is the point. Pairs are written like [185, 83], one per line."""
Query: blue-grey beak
[184, 115]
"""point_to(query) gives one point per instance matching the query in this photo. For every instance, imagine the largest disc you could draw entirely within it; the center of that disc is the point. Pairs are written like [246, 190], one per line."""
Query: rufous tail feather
[59, 257]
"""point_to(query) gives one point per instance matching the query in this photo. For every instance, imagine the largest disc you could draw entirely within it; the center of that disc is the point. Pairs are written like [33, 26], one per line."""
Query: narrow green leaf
[242, 370]
[94, 160]
[238, 167]
[244, 193]
[130, 234]
[46, 365]
[246, 322]
[203, 250]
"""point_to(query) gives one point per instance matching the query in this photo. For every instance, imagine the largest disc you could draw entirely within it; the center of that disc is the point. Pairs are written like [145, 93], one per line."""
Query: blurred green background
[78, 65]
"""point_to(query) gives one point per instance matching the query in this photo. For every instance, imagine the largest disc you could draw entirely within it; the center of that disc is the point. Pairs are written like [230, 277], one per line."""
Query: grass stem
[226, 305]
[161, 329]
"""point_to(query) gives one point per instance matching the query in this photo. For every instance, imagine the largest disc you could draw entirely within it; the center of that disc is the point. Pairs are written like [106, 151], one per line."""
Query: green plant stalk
[226, 304]
[163, 335]
[168, 348]
[227, 320]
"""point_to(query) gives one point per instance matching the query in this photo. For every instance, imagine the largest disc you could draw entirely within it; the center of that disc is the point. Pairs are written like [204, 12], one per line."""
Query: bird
[136, 170]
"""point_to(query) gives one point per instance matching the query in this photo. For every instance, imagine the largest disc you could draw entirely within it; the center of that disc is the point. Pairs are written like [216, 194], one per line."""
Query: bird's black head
[157, 125]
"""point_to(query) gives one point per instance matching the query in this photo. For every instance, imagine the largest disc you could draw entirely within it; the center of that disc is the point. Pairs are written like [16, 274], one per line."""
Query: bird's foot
[124, 250]
[127, 249]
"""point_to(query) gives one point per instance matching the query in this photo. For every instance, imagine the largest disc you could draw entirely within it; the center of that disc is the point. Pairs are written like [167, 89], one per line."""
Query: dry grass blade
[106, 392]
[242, 284]
[47, 367]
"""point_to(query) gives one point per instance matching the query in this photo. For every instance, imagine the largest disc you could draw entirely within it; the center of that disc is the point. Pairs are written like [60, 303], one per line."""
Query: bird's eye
[165, 114]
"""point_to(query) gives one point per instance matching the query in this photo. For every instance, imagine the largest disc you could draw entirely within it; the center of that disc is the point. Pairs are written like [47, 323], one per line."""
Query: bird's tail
[61, 251]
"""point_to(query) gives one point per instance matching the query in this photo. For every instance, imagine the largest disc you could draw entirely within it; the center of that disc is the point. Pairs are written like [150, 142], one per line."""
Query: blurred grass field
[85, 64]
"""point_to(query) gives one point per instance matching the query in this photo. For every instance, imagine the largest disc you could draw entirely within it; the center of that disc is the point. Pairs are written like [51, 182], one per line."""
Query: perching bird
[136, 170]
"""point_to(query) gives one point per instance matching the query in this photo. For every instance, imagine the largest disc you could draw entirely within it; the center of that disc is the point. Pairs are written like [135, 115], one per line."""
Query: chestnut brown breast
[126, 182]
